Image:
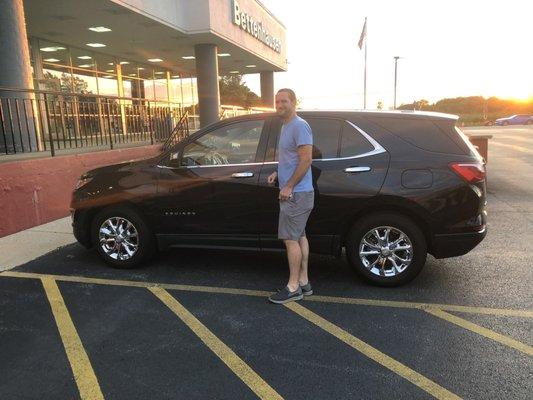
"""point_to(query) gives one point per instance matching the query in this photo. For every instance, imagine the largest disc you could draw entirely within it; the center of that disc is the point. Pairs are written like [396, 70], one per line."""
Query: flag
[363, 36]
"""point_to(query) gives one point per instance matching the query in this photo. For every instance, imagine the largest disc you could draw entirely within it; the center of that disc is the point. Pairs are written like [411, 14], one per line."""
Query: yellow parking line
[374, 354]
[422, 306]
[260, 293]
[79, 361]
[232, 360]
[463, 323]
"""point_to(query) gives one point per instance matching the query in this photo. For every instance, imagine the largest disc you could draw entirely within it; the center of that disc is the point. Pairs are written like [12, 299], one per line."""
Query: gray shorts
[293, 215]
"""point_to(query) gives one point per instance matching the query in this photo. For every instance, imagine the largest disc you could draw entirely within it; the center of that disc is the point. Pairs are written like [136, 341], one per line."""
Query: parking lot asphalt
[197, 323]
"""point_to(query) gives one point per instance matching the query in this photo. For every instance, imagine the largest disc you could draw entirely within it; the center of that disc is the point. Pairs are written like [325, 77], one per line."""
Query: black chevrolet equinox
[390, 187]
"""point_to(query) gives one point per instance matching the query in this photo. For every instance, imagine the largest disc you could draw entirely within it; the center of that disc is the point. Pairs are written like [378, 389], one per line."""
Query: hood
[123, 166]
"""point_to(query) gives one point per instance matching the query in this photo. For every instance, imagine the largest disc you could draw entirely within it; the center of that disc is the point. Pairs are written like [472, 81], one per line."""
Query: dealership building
[88, 83]
[157, 52]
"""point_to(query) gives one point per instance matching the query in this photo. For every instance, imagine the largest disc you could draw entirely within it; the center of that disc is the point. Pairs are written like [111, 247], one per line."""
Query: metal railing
[33, 121]
[48, 121]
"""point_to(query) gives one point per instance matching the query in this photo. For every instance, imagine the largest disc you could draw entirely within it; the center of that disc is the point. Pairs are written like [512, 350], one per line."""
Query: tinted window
[326, 135]
[353, 143]
[421, 133]
[233, 144]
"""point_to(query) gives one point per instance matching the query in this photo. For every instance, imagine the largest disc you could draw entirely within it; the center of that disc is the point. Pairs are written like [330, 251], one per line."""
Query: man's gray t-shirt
[293, 134]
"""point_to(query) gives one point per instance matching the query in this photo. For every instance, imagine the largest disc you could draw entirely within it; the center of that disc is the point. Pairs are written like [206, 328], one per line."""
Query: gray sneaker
[307, 290]
[285, 295]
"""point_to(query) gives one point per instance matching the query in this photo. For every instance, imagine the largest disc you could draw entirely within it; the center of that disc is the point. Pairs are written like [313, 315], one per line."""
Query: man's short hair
[291, 93]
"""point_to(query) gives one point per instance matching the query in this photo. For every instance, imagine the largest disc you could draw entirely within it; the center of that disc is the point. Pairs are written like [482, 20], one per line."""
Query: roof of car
[389, 113]
[370, 113]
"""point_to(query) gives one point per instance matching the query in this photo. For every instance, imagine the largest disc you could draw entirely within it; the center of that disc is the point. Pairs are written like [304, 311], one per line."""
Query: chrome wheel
[118, 238]
[386, 251]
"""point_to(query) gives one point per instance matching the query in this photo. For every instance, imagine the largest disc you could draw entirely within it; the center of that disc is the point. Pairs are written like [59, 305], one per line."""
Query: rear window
[425, 134]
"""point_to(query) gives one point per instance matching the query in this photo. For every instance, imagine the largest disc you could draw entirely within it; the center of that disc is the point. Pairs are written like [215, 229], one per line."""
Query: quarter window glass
[232, 144]
[353, 143]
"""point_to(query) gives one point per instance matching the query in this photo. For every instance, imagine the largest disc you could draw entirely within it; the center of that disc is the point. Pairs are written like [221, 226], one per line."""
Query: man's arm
[305, 158]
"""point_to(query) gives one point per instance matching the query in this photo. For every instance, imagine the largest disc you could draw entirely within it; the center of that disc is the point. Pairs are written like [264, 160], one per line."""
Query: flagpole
[366, 39]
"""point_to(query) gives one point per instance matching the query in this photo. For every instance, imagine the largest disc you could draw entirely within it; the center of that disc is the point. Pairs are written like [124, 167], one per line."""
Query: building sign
[254, 28]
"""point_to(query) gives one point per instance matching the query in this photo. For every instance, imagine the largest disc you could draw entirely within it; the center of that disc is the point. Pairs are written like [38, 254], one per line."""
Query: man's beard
[282, 113]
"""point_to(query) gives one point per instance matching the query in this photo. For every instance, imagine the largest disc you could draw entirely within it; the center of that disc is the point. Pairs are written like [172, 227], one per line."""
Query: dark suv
[390, 187]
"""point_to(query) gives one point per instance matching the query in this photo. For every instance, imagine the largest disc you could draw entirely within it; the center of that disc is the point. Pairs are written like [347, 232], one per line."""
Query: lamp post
[396, 58]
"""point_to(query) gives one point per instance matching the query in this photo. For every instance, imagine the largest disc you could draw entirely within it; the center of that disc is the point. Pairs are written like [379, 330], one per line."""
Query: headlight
[84, 180]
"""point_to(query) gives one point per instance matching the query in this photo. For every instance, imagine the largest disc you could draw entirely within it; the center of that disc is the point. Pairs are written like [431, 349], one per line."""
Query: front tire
[386, 249]
[122, 238]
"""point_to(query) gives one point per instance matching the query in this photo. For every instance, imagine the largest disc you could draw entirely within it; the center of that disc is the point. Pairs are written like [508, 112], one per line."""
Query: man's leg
[294, 254]
[304, 246]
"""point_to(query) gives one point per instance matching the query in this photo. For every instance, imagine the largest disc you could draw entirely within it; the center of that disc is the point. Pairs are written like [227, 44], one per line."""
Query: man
[296, 195]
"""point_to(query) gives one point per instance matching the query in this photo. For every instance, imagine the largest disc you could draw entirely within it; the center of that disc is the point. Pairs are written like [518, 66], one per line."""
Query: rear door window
[326, 137]
[326, 134]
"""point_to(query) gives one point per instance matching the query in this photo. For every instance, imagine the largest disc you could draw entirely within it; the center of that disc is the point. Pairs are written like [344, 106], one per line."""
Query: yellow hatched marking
[463, 323]
[79, 361]
[232, 360]
[374, 354]
[260, 293]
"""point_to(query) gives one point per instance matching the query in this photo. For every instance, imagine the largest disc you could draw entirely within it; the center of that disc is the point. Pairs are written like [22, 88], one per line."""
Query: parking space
[97, 337]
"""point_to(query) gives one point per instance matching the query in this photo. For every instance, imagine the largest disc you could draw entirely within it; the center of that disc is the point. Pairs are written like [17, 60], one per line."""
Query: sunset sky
[448, 48]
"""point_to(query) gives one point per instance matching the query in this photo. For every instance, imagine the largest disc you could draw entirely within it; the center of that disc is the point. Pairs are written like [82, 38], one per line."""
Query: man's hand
[272, 178]
[285, 193]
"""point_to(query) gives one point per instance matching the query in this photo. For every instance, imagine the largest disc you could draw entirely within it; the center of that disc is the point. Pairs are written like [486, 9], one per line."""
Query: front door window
[232, 144]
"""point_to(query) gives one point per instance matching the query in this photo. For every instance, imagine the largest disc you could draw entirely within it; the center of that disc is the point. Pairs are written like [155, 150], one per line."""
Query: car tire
[136, 244]
[505, 123]
[530, 122]
[389, 276]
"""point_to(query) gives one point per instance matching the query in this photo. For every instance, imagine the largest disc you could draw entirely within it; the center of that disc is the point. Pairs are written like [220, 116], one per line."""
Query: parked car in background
[390, 187]
[518, 119]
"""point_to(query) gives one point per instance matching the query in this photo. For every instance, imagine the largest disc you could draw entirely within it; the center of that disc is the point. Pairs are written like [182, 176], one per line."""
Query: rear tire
[410, 247]
[122, 238]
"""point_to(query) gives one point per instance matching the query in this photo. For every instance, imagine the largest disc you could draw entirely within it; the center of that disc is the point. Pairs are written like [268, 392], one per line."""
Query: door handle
[242, 175]
[352, 170]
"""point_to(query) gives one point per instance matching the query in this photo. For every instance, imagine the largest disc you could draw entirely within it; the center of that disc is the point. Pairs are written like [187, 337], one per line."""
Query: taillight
[470, 172]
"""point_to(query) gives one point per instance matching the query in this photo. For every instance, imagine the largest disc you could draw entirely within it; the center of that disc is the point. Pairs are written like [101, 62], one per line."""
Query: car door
[208, 189]
[348, 169]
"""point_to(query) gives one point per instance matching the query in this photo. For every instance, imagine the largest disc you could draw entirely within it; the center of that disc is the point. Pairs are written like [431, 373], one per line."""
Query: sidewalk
[27, 245]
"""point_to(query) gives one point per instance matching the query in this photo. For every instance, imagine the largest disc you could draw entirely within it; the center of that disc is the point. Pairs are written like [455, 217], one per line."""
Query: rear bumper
[457, 244]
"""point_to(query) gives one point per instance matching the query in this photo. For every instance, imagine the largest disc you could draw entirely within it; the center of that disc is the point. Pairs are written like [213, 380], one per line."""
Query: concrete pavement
[27, 245]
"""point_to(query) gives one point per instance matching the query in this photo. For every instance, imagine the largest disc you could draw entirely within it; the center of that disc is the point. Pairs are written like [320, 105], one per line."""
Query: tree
[474, 109]
[234, 92]
[66, 83]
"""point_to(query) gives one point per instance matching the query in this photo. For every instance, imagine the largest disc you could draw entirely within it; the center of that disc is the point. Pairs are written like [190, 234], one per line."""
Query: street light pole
[396, 58]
